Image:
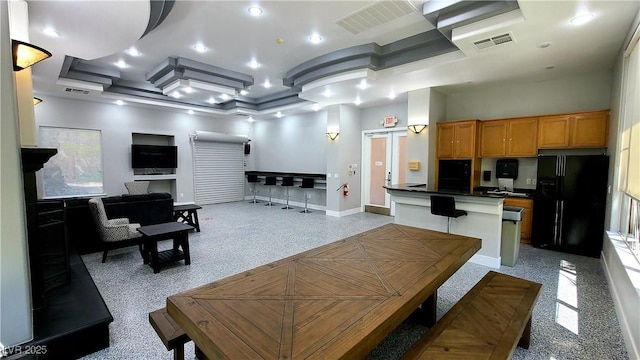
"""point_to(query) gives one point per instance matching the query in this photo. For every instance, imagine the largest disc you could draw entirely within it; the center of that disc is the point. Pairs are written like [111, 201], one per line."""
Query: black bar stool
[253, 179]
[445, 206]
[287, 181]
[269, 181]
[307, 183]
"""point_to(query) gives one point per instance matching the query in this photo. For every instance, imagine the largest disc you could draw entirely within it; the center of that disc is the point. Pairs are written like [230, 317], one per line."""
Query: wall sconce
[417, 128]
[25, 55]
[36, 101]
[333, 135]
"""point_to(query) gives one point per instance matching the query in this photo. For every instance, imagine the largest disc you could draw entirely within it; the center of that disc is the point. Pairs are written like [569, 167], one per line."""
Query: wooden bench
[172, 336]
[487, 323]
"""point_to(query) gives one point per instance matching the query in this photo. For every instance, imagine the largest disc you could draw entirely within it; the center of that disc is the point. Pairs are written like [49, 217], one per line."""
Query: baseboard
[296, 204]
[343, 213]
[486, 261]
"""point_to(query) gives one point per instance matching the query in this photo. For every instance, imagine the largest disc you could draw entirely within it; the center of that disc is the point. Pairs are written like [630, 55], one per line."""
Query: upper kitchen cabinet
[579, 130]
[509, 138]
[457, 139]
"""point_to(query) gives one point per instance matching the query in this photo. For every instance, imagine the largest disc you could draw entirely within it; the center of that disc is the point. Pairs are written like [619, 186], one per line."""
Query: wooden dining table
[336, 301]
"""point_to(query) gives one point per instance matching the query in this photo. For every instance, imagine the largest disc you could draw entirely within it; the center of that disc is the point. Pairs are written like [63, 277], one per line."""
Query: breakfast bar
[483, 219]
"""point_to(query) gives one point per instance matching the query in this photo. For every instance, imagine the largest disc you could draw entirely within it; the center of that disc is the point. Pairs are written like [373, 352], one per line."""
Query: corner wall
[15, 297]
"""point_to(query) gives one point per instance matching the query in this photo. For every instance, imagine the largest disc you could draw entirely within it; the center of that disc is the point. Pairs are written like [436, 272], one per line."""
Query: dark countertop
[280, 174]
[422, 188]
[479, 191]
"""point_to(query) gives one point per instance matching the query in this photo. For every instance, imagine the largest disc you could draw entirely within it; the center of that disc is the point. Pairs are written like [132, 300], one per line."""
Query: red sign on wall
[390, 121]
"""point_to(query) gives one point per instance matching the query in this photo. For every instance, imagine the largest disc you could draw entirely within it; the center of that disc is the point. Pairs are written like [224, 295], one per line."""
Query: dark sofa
[148, 209]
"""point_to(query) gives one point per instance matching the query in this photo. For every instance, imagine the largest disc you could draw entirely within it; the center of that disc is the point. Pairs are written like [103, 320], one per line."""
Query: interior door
[383, 155]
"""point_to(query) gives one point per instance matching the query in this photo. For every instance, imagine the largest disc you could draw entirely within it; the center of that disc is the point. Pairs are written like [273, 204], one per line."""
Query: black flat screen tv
[154, 156]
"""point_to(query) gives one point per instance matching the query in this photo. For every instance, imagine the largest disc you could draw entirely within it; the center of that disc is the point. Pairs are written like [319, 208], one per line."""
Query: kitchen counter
[483, 219]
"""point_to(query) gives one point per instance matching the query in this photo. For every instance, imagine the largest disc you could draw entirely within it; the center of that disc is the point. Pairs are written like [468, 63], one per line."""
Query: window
[632, 237]
[76, 170]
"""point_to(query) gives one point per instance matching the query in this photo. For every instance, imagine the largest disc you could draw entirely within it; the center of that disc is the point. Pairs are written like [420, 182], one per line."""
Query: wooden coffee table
[151, 234]
[337, 301]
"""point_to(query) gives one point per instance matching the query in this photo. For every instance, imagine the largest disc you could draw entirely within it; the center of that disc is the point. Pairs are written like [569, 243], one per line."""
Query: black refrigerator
[569, 204]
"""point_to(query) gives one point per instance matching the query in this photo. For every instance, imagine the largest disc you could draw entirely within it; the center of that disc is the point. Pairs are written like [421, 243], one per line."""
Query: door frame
[393, 163]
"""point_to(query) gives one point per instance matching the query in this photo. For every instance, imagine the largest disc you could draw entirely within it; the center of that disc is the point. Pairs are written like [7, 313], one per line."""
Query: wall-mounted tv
[154, 156]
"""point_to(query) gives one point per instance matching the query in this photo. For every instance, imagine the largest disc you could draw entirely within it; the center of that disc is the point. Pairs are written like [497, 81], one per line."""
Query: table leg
[185, 247]
[196, 223]
[143, 253]
[152, 246]
[429, 309]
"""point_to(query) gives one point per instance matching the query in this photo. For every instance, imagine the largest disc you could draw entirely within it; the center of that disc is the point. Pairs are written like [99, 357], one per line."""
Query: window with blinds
[218, 172]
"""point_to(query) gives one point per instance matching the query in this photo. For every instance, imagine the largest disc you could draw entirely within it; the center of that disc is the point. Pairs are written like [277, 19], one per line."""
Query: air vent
[379, 13]
[76, 91]
[493, 41]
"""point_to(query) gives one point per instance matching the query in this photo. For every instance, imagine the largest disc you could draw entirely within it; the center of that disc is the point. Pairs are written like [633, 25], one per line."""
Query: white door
[384, 162]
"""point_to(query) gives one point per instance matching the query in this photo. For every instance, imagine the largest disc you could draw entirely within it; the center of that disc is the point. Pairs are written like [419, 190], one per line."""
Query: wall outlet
[181, 194]
[528, 181]
[534, 181]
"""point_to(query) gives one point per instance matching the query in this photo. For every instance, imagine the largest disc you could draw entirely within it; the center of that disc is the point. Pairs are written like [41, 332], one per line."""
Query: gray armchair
[137, 187]
[114, 233]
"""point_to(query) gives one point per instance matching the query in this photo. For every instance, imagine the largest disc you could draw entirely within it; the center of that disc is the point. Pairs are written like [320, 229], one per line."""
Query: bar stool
[287, 181]
[269, 181]
[445, 206]
[253, 179]
[307, 183]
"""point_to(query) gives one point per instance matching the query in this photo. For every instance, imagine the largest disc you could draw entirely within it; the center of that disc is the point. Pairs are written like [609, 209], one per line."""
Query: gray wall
[15, 297]
[580, 93]
[372, 117]
[117, 123]
[294, 143]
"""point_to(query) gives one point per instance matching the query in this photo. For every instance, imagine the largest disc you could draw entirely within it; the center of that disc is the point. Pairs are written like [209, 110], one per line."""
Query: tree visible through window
[77, 167]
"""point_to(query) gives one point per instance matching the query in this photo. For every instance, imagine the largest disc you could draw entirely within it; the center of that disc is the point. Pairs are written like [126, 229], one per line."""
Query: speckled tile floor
[573, 319]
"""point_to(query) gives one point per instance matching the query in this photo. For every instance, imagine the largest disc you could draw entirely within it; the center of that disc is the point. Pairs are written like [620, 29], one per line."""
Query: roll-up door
[218, 170]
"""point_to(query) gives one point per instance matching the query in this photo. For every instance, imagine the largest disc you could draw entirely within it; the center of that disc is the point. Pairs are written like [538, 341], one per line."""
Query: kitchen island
[483, 219]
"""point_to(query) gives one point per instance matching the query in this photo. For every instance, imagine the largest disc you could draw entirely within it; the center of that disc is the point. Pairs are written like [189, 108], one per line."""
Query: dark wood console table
[187, 214]
[177, 231]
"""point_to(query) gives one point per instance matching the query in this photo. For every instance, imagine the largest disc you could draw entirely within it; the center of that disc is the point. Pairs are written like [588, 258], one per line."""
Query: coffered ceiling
[369, 52]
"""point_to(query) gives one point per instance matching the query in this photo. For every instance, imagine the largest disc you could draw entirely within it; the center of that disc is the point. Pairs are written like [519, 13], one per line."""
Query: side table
[187, 214]
[151, 234]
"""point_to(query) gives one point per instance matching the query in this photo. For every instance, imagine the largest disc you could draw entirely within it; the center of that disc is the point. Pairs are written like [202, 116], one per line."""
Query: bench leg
[199, 354]
[525, 340]
[178, 352]
[429, 309]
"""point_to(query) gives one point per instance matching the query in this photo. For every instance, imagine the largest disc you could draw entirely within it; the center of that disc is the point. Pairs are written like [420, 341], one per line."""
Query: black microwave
[454, 175]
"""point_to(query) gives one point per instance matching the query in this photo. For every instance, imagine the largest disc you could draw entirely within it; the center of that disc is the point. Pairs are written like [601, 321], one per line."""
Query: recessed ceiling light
[250, 119]
[279, 115]
[133, 51]
[176, 94]
[254, 64]
[188, 89]
[225, 97]
[392, 95]
[363, 84]
[316, 107]
[581, 19]
[190, 112]
[119, 102]
[266, 84]
[315, 38]
[358, 101]
[255, 11]
[121, 64]
[51, 32]
[327, 93]
[244, 92]
[199, 47]
[211, 100]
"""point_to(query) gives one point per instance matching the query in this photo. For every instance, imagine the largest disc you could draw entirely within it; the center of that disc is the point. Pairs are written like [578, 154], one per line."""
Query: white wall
[573, 94]
[15, 297]
[117, 123]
